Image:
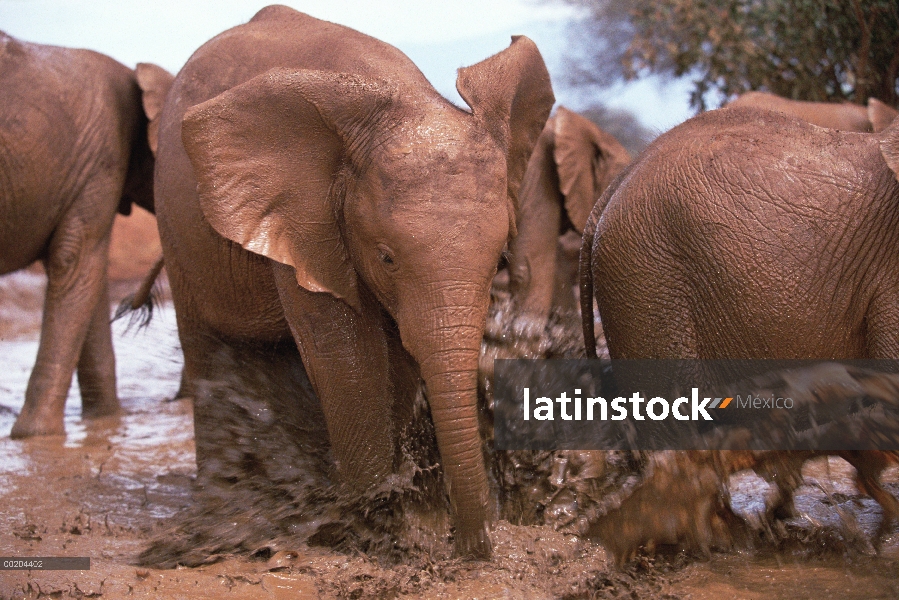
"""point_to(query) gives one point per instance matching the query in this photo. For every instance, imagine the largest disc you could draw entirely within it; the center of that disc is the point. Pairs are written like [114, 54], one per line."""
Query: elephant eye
[385, 255]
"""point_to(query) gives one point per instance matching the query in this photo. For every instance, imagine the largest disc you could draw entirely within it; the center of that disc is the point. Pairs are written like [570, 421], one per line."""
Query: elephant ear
[154, 82]
[587, 159]
[266, 154]
[889, 146]
[880, 114]
[510, 95]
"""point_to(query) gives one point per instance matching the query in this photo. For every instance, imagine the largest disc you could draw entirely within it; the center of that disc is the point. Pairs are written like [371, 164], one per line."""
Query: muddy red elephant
[749, 234]
[313, 187]
[73, 153]
[844, 116]
[572, 164]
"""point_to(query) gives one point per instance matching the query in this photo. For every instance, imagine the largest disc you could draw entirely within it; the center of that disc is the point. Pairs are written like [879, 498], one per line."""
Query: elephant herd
[318, 199]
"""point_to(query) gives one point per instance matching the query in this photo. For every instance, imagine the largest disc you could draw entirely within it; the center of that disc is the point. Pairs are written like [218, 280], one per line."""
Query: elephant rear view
[73, 152]
[748, 234]
[313, 188]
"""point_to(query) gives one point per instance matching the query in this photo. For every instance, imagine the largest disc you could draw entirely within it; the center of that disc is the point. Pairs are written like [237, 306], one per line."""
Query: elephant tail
[585, 279]
[585, 262]
[140, 304]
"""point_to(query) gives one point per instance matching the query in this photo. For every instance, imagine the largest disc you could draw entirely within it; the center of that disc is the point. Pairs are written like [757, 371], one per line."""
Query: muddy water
[112, 487]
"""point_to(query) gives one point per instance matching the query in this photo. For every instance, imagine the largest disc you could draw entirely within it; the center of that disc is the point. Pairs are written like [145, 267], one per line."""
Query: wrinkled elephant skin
[73, 152]
[748, 234]
[312, 186]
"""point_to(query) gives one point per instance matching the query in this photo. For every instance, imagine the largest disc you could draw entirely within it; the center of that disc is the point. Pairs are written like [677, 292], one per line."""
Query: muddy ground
[111, 487]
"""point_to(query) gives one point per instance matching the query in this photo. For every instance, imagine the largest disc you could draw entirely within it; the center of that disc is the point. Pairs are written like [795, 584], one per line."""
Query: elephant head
[396, 205]
[572, 163]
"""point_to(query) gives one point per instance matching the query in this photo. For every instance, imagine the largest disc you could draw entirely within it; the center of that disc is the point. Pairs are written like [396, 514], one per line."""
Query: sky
[439, 36]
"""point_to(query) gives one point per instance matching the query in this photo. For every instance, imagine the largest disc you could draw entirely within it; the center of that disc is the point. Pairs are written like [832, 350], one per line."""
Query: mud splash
[116, 488]
[270, 485]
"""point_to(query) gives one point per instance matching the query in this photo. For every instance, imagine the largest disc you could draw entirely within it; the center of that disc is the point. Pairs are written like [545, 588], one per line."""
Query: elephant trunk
[447, 352]
[452, 396]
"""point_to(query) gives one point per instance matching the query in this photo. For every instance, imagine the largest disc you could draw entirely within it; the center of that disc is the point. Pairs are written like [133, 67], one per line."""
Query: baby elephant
[749, 234]
[73, 152]
[319, 201]
[572, 164]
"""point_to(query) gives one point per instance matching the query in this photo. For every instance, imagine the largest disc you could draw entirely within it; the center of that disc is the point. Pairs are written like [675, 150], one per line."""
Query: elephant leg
[96, 365]
[868, 467]
[208, 361]
[199, 344]
[785, 472]
[566, 279]
[346, 355]
[76, 270]
[883, 343]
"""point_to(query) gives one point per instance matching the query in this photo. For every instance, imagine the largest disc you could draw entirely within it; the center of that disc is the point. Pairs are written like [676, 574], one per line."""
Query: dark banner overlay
[45, 563]
[812, 405]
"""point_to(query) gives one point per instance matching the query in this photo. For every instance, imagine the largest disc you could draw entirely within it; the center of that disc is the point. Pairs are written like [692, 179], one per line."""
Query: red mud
[112, 486]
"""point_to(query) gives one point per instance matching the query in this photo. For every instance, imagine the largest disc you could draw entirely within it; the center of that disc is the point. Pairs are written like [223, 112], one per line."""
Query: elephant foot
[888, 521]
[473, 543]
[28, 425]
